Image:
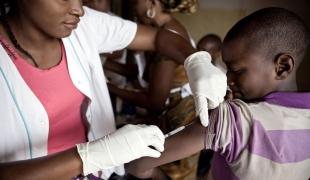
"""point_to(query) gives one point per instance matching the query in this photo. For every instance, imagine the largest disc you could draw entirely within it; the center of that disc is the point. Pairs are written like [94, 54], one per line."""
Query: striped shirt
[264, 140]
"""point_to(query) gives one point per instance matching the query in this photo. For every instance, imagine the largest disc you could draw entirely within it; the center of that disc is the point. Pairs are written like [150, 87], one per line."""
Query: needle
[174, 131]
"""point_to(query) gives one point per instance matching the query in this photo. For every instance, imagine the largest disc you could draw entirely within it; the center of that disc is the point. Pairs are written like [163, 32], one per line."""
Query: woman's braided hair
[183, 6]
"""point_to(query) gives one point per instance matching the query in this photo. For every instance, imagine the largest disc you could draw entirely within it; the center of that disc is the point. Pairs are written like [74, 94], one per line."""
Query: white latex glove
[207, 82]
[124, 145]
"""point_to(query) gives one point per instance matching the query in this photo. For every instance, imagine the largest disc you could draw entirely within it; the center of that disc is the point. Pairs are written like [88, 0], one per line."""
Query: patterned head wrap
[182, 6]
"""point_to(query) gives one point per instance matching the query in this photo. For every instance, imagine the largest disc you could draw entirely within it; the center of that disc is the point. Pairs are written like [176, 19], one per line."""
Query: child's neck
[289, 85]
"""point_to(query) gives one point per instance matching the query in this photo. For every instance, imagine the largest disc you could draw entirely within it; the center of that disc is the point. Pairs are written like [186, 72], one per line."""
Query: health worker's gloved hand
[122, 146]
[207, 82]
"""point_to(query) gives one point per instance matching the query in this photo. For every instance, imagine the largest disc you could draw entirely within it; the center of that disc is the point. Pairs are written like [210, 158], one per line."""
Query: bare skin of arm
[178, 146]
[127, 70]
[158, 91]
[114, 55]
[64, 165]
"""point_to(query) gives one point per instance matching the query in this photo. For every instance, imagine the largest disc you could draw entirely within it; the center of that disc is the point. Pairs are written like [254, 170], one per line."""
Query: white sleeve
[108, 32]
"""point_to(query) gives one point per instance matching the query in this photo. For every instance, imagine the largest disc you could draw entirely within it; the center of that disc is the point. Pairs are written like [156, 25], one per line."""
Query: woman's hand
[124, 145]
[207, 82]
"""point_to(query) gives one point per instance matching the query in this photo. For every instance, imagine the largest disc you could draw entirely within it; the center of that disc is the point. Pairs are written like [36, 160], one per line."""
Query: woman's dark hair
[6, 6]
[170, 4]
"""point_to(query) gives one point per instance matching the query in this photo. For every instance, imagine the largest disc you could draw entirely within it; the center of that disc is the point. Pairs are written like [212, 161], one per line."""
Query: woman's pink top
[60, 98]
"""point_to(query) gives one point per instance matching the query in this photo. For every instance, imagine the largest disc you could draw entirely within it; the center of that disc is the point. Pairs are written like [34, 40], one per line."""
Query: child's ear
[284, 65]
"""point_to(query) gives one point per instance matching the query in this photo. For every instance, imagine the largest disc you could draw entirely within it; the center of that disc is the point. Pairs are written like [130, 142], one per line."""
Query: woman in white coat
[56, 116]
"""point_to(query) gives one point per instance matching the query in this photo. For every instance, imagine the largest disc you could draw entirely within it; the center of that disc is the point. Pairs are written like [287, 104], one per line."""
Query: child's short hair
[274, 30]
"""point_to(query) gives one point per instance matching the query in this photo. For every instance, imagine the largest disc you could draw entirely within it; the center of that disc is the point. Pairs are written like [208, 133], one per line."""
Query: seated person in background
[166, 78]
[212, 43]
[265, 133]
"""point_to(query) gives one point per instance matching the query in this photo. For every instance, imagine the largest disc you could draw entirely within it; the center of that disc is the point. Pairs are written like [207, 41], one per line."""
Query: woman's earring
[150, 13]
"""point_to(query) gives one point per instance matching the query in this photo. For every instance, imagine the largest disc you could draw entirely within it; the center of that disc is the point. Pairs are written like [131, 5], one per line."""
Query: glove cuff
[95, 156]
[198, 57]
[82, 151]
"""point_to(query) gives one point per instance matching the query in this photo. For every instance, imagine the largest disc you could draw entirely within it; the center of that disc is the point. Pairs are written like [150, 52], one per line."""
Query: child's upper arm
[229, 129]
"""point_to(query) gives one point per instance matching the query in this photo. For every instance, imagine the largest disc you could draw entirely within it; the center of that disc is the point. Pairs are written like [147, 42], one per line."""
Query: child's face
[250, 75]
